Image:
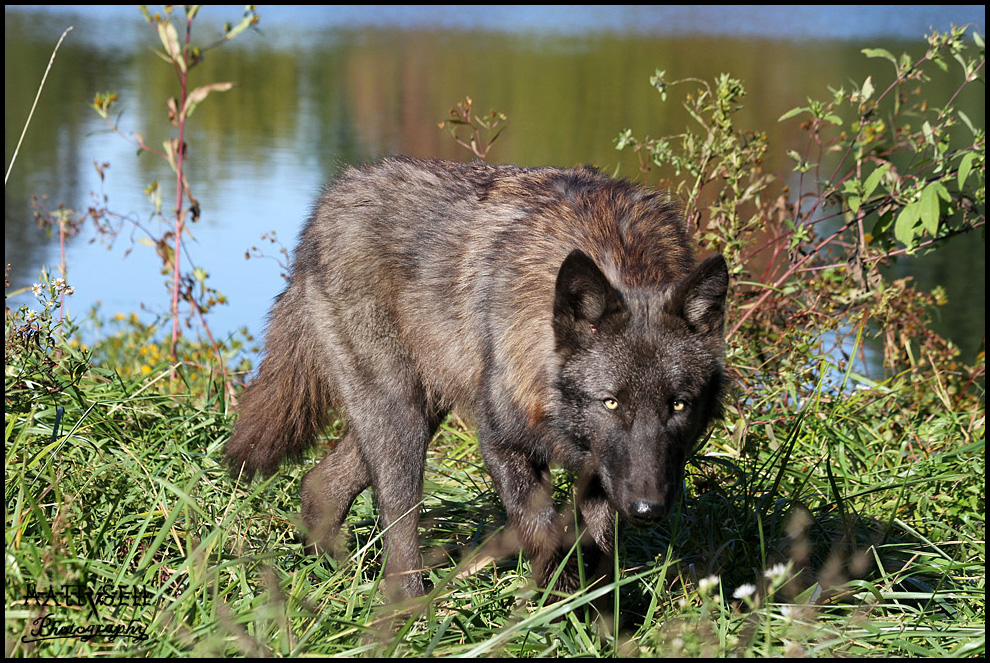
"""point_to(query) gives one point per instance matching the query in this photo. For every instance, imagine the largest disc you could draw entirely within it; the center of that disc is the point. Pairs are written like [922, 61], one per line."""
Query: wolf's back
[440, 274]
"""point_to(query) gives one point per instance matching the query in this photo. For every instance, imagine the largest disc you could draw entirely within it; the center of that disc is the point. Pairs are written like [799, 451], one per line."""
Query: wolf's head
[641, 376]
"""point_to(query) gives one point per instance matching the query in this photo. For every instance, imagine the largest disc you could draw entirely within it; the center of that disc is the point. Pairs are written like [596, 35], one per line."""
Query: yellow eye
[679, 405]
[610, 404]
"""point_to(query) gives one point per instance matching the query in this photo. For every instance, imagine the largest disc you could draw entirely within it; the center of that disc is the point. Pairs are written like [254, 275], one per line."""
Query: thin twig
[36, 97]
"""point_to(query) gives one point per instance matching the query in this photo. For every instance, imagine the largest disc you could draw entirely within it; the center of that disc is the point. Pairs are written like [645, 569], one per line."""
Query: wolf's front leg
[526, 489]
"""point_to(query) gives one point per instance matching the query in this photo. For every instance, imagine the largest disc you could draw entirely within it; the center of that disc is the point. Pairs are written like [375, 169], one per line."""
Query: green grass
[856, 524]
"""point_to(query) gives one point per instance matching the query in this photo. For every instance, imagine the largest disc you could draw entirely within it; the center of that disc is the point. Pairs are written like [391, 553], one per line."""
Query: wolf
[561, 310]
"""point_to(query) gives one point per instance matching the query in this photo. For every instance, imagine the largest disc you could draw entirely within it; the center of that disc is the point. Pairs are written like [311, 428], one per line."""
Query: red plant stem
[183, 74]
[62, 268]
[787, 274]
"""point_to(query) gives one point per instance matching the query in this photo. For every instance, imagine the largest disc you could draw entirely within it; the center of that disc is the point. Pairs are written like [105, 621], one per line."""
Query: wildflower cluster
[137, 349]
[34, 342]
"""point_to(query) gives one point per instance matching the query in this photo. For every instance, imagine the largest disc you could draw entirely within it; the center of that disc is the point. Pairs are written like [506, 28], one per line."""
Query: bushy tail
[286, 407]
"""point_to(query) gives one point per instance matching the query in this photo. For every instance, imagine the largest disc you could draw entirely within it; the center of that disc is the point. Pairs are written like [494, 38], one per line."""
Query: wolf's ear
[585, 304]
[700, 298]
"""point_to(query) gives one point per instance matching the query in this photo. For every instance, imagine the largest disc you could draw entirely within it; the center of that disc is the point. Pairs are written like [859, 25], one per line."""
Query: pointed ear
[700, 298]
[585, 304]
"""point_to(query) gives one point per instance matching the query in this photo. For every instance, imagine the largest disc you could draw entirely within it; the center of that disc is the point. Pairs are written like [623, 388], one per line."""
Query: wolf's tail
[287, 406]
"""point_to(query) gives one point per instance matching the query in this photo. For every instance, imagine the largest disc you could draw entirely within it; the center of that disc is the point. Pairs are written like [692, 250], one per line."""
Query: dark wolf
[562, 309]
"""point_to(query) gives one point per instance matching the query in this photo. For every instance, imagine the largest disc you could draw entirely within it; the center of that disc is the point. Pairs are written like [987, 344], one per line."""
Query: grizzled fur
[562, 309]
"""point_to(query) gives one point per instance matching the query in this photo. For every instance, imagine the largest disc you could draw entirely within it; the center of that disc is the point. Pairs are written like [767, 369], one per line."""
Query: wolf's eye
[679, 405]
[610, 404]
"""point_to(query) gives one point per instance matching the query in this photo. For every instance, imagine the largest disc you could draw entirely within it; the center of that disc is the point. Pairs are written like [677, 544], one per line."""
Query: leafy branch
[884, 174]
[183, 56]
[475, 133]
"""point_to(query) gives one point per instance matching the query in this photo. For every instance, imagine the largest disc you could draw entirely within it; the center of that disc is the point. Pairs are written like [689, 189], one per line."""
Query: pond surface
[321, 87]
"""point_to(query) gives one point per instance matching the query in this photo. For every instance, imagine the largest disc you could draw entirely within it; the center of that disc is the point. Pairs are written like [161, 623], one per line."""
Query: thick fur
[561, 308]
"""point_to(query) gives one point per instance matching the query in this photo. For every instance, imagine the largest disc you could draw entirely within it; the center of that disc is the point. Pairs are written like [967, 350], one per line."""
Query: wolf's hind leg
[328, 491]
[396, 456]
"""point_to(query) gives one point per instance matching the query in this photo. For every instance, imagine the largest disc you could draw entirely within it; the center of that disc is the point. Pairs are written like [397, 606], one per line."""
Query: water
[321, 87]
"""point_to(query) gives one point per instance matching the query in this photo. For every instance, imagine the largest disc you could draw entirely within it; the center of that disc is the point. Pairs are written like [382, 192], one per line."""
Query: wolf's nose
[645, 511]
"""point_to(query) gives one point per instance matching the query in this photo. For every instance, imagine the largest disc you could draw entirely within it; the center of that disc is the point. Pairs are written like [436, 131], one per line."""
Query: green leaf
[929, 209]
[802, 166]
[170, 38]
[879, 53]
[942, 192]
[904, 230]
[881, 228]
[625, 138]
[200, 93]
[171, 150]
[791, 113]
[249, 19]
[874, 180]
[965, 166]
[854, 203]
[905, 63]
[966, 121]
[658, 81]
[867, 90]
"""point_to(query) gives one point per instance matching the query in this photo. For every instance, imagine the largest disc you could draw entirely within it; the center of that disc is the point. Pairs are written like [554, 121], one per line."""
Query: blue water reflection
[266, 179]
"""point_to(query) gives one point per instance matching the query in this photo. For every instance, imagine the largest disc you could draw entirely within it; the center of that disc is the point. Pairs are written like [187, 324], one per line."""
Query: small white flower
[744, 590]
[705, 585]
[776, 573]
